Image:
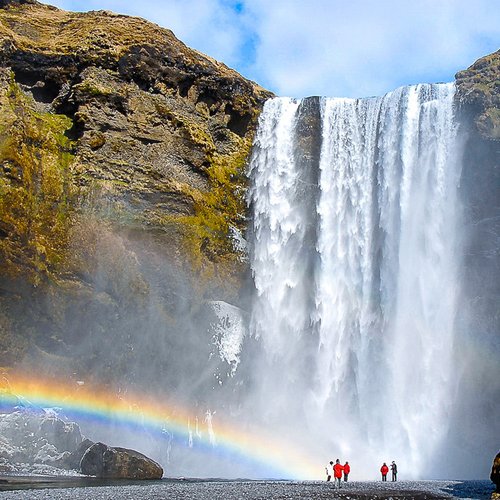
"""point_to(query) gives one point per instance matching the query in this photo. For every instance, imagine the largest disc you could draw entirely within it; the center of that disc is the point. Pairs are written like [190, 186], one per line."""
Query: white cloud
[329, 47]
[363, 47]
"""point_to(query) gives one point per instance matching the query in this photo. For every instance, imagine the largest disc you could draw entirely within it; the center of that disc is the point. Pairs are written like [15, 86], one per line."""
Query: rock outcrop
[495, 476]
[161, 132]
[32, 438]
[122, 186]
[478, 107]
[118, 463]
[479, 92]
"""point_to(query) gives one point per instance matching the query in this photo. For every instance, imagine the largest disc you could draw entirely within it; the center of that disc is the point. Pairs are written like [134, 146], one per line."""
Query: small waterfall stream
[355, 256]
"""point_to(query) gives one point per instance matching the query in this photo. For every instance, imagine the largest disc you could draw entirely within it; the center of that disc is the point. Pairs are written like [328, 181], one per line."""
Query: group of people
[384, 470]
[337, 470]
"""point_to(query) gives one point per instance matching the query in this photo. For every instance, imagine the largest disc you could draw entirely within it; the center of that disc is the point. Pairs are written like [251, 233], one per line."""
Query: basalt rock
[32, 437]
[72, 461]
[478, 113]
[118, 463]
[478, 96]
[161, 132]
[495, 475]
[479, 93]
[121, 149]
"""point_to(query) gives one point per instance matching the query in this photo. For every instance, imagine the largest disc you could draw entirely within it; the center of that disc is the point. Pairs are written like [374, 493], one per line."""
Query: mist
[375, 265]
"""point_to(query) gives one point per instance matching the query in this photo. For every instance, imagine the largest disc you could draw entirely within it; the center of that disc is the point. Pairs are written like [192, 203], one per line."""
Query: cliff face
[478, 105]
[159, 129]
[479, 95]
[122, 159]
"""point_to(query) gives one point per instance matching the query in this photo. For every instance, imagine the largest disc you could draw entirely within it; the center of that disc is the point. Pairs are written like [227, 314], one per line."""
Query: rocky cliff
[478, 106]
[122, 179]
[122, 182]
[478, 95]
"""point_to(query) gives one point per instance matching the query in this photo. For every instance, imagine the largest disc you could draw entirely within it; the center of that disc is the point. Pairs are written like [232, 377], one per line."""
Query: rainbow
[266, 452]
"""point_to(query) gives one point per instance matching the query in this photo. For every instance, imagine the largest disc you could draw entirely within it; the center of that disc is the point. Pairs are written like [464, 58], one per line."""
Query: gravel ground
[247, 490]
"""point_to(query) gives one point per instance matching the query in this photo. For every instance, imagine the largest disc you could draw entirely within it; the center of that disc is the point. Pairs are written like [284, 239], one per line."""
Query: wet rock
[72, 460]
[64, 436]
[34, 438]
[118, 463]
[478, 113]
[495, 476]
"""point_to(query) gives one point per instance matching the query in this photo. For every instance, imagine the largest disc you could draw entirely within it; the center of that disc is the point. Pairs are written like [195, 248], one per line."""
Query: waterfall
[355, 256]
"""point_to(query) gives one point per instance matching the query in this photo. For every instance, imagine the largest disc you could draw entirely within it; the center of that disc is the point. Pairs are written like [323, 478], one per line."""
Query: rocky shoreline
[84, 488]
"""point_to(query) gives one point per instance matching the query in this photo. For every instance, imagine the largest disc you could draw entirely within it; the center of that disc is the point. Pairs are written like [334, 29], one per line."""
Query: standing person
[394, 470]
[384, 470]
[347, 469]
[329, 471]
[337, 472]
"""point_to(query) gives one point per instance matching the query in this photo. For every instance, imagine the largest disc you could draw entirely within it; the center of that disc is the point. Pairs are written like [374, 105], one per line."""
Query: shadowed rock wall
[122, 182]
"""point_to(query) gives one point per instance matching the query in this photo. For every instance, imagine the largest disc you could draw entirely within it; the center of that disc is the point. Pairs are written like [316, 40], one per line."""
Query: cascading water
[355, 259]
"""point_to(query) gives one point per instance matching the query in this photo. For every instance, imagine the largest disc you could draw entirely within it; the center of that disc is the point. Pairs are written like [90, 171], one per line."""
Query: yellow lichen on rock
[35, 185]
[138, 214]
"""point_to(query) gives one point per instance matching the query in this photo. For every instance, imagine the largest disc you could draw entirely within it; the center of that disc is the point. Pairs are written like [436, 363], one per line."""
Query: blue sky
[351, 48]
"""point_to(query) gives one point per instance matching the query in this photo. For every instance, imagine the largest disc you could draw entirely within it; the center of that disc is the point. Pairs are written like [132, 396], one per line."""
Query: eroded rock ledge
[160, 132]
[121, 149]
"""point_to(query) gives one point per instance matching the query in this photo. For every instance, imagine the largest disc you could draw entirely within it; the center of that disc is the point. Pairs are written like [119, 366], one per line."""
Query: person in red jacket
[337, 472]
[347, 469]
[384, 470]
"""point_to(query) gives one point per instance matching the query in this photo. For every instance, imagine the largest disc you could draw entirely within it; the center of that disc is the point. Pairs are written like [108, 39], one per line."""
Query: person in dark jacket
[394, 470]
[347, 469]
[384, 470]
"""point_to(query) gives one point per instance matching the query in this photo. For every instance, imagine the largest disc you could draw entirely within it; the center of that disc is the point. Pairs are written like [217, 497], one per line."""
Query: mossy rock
[479, 94]
[35, 186]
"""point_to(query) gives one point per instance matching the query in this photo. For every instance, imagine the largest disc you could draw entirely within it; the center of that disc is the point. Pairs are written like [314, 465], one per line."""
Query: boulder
[495, 476]
[72, 460]
[118, 463]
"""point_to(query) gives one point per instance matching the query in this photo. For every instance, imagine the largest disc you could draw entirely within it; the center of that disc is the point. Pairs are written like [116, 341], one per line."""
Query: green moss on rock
[35, 185]
[206, 234]
[163, 130]
[479, 93]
